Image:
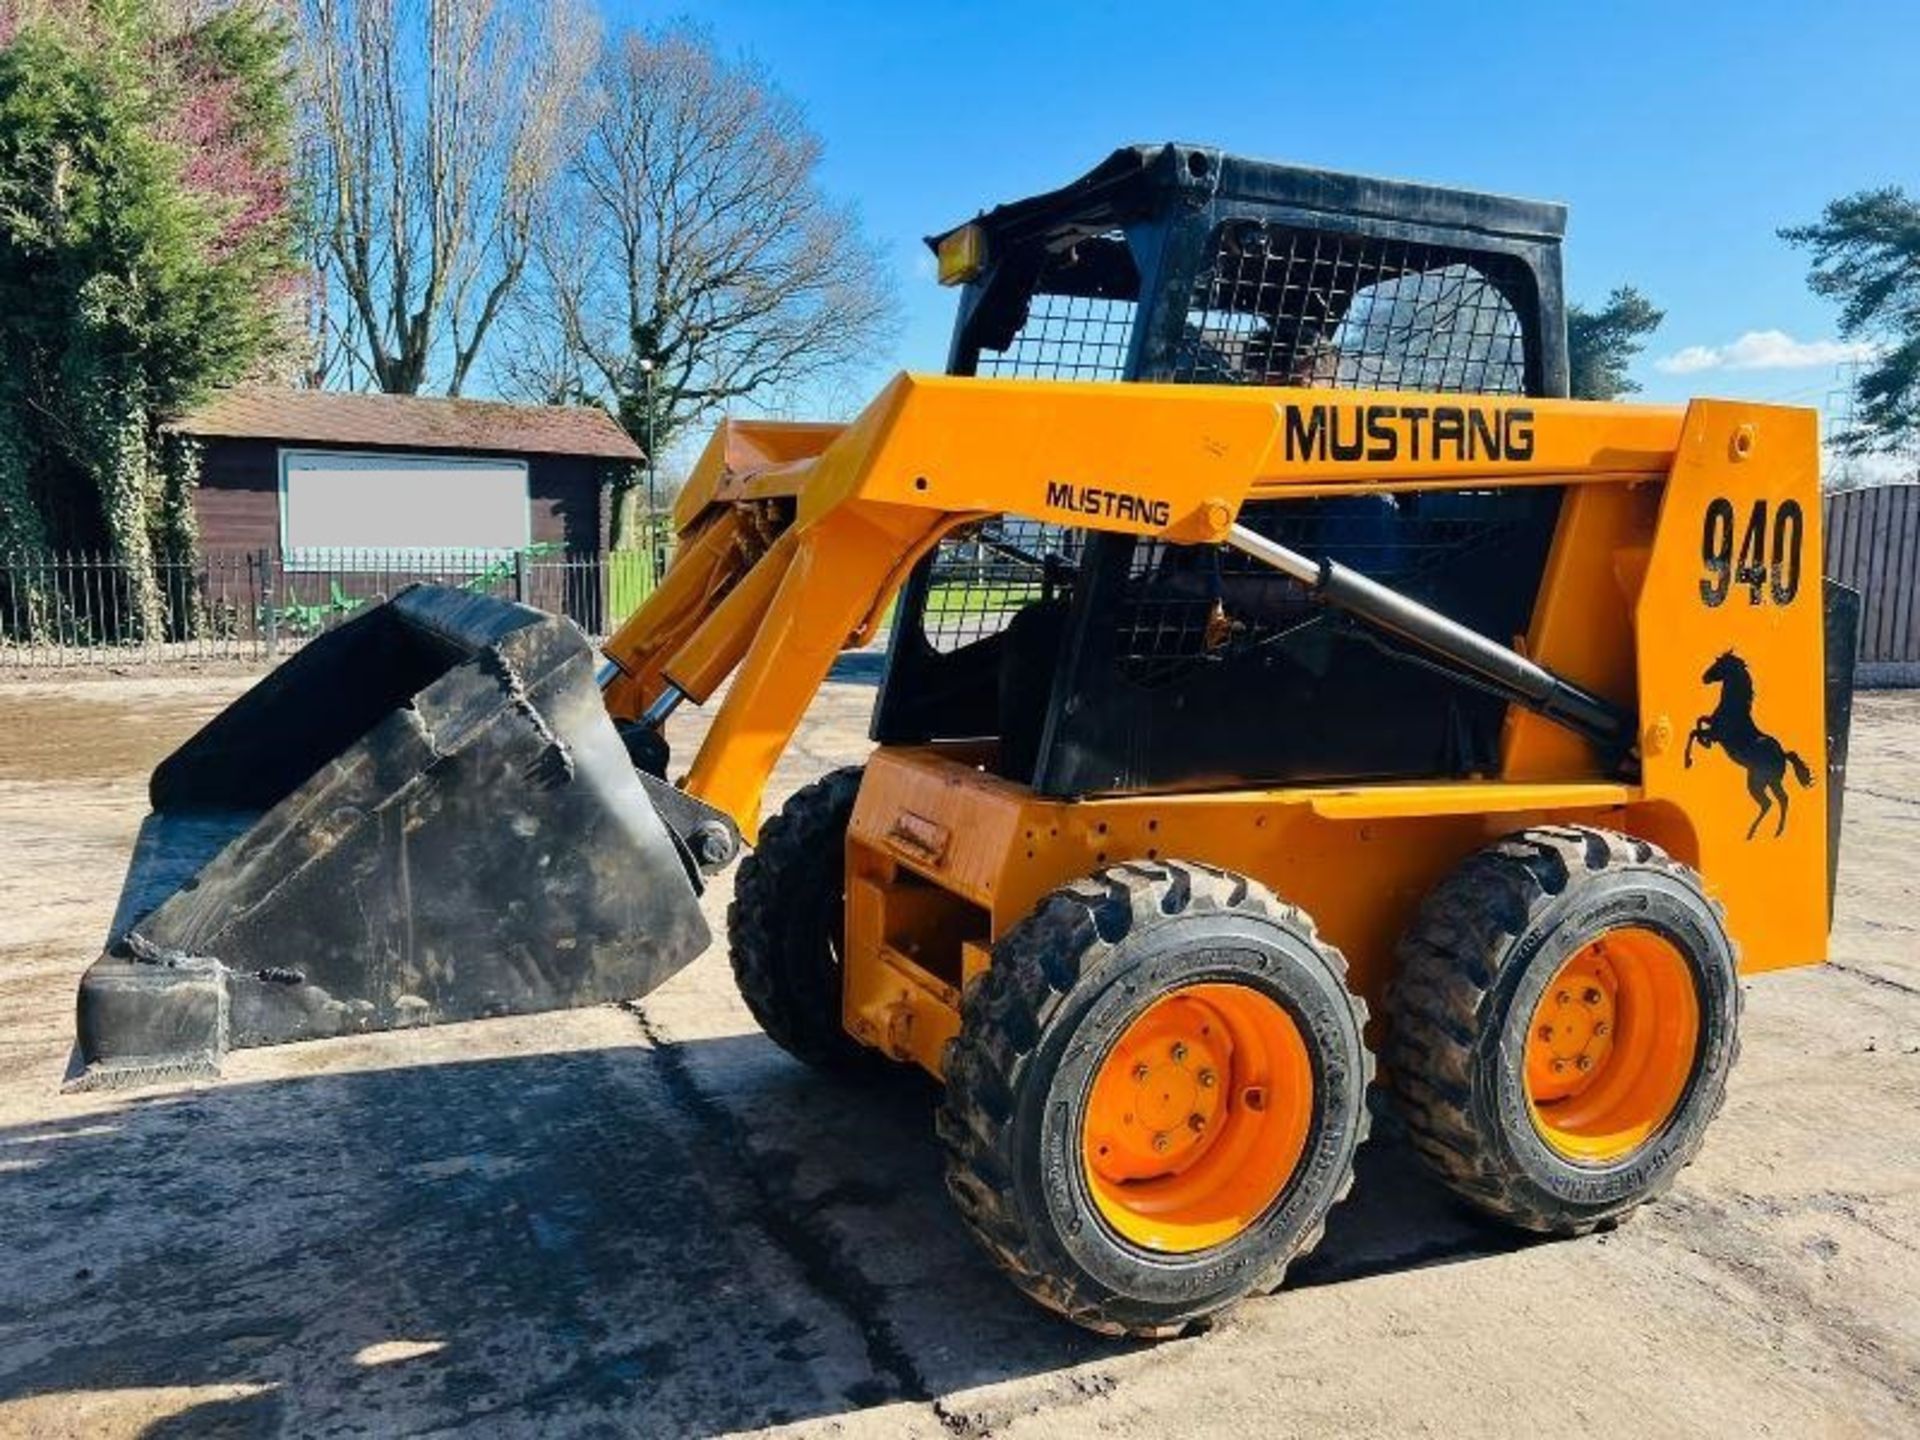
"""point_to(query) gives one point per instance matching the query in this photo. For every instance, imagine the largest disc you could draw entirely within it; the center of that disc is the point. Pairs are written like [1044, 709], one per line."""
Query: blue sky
[1682, 135]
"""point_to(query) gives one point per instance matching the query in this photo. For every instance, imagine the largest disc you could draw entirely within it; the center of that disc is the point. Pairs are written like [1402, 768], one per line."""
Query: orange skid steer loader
[1333, 702]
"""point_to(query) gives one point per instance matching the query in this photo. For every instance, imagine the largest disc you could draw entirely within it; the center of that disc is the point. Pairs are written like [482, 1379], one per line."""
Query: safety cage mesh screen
[1187, 606]
[1077, 326]
[1280, 305]
[1066, 337]
[985, 574]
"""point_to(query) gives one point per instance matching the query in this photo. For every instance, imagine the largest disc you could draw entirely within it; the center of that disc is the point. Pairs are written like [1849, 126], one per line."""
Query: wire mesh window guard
[1079, 319]
[1066, 337]
[1188, 606]
[985, 574]
[982, 576]
[1277, 305]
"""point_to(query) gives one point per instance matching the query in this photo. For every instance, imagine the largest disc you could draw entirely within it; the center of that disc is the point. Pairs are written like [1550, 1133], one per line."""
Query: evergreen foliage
[145, 256]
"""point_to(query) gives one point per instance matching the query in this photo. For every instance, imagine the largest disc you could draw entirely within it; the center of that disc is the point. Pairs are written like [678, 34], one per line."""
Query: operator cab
[1101, 662]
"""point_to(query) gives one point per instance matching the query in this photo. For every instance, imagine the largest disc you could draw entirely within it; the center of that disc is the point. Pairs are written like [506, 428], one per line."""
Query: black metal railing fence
[60, 609]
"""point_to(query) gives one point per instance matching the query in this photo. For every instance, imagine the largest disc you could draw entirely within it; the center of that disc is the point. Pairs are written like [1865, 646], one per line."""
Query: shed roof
[416, 422]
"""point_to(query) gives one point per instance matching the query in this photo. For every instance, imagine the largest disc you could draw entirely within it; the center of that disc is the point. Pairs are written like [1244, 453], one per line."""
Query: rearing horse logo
[1731, 727]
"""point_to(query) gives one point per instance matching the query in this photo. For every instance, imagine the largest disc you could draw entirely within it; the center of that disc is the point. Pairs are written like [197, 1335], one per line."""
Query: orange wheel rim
[1611, 1047]
[1198, 1117]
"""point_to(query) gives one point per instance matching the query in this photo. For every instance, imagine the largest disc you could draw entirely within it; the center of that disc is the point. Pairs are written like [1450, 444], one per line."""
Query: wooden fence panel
[1873, 545]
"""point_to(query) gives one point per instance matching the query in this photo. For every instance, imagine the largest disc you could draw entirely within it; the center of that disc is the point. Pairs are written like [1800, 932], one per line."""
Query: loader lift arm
[773, 603]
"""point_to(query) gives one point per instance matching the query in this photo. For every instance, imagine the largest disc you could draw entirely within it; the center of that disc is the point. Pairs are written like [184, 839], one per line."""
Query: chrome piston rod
[1523, 681]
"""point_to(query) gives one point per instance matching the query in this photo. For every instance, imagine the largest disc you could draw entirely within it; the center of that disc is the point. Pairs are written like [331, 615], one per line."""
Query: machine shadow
[694, 1239]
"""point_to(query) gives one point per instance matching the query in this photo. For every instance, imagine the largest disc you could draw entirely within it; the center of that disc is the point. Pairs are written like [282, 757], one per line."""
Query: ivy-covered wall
[146, 255]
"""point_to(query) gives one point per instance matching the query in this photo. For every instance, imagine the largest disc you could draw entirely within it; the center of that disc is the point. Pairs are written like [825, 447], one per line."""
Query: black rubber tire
[1064, 984]
[786, 927]
[647, 748]
[1472, 967]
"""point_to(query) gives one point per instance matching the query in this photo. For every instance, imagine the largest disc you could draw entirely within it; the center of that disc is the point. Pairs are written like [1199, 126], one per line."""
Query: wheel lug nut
[1196, 1123]
[1585, 1062]
[1161, 1141]
[1179, 1052]
[1207, 1079]
[1592, 996]
[1140, 1073]
[1546, 1032]
[1563, 998]
[1559, 1067]
[1601, 1027]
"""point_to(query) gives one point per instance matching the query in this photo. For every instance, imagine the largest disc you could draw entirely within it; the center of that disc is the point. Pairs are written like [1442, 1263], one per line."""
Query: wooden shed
[299, 472]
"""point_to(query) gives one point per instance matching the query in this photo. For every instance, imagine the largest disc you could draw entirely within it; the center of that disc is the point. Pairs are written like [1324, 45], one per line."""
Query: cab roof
[1136, 182]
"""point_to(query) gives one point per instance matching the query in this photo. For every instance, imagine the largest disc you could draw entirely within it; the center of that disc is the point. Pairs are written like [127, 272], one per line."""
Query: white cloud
[1689, 360]
[1763, 350]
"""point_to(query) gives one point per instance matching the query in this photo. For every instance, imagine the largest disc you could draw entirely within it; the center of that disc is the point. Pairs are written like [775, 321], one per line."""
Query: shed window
[399, 504]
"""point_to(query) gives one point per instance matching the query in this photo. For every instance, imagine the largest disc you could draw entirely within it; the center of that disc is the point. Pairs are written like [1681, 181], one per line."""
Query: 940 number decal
[1767, 562]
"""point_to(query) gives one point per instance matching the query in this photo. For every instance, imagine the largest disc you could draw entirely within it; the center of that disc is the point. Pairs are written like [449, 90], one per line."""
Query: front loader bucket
[423, 816]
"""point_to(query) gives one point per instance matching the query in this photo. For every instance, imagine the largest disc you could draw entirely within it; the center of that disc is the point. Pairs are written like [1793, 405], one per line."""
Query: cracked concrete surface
[645, 1219]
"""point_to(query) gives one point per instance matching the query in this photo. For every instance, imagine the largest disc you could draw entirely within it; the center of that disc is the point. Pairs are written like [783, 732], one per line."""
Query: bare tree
[434, 130]
[695, 261]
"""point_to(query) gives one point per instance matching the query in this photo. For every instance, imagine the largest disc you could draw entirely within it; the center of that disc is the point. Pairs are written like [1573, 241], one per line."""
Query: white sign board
[331, 502]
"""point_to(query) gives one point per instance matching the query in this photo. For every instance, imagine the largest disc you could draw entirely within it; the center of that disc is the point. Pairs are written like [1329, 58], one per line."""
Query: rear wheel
[786, 927]
[1155, 1096]
[1563, 1023]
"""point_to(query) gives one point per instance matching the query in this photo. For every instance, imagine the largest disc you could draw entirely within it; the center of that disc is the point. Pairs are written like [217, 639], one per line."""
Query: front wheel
[647, 748]
[1155, 1097]
[786, 928]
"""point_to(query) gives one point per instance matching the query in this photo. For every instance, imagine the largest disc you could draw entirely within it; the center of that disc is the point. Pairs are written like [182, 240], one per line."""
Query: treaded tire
[786, 926]
[647, 748]
[1035, 1028]
[1472, 966]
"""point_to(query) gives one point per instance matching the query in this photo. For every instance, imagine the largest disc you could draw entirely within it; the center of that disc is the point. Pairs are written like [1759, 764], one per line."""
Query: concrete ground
[647, 1220]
